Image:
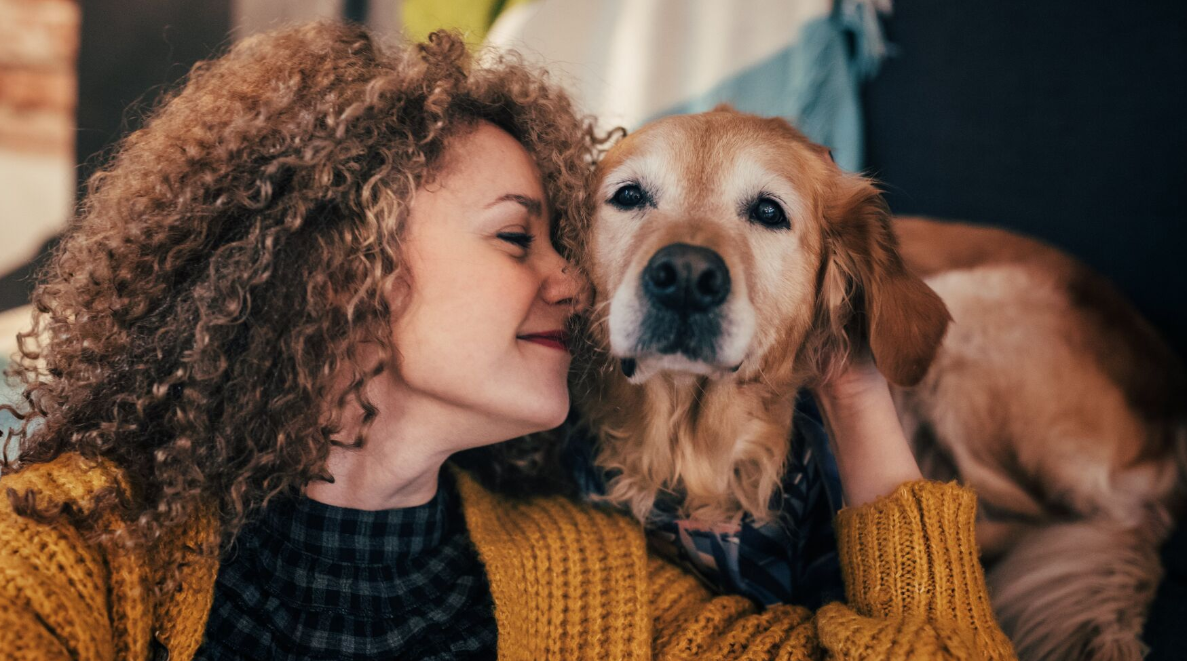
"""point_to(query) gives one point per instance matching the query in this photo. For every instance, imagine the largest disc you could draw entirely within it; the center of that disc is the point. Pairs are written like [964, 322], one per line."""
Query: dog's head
[729, 245]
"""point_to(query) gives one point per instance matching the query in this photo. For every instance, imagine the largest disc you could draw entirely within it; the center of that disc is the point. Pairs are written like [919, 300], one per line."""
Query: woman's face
[480, 341]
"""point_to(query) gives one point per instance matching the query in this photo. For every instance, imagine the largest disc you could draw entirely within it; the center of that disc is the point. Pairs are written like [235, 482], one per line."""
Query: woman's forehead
[487, 164]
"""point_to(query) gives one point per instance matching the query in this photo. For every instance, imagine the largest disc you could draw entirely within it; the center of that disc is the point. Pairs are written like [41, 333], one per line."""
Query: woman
[317, 273]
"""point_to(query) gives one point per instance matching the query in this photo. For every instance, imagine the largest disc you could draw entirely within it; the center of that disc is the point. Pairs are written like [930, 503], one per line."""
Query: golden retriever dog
[735, 264]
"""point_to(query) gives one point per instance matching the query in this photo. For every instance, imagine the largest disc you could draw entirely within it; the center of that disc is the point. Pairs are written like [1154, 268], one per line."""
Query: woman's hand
[872, 453]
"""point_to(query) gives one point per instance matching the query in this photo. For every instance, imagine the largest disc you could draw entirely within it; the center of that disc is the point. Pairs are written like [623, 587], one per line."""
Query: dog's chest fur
[790, 558]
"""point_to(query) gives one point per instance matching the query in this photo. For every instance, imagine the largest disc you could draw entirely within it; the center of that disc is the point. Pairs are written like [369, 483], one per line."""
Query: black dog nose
[686, 278]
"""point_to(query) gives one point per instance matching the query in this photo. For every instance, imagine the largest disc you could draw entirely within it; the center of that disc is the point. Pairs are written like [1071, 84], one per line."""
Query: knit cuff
[914, 553]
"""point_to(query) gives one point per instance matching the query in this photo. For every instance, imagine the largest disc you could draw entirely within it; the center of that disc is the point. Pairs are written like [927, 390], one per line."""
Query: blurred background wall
[1062, 118]
[77, 76]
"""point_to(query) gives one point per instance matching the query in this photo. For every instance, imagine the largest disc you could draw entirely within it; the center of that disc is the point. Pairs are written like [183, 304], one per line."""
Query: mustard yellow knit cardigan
[569, 582]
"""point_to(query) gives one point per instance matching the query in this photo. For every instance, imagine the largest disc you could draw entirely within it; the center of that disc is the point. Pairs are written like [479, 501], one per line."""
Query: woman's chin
[547, 413]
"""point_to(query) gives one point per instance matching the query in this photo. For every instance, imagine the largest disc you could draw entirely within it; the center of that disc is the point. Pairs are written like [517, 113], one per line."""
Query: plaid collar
[318, 557]
[360, 537]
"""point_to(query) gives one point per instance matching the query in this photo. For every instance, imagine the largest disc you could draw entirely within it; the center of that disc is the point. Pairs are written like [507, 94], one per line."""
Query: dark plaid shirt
[312, 581]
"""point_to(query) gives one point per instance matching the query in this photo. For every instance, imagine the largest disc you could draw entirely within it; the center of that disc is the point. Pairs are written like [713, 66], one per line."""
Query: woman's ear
[867, 290]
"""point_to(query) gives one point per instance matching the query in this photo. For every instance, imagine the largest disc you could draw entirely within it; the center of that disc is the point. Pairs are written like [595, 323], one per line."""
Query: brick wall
[38, 82]
[38, 52]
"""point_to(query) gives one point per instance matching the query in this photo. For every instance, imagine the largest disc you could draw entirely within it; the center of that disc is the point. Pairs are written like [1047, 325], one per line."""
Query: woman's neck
[373, 479]
[397, 465]
[406, 444]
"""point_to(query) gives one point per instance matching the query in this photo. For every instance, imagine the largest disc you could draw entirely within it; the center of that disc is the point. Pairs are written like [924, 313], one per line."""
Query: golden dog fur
[1049, 396]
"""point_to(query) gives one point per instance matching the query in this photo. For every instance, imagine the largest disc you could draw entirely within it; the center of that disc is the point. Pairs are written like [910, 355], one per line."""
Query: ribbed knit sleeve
[911, 558]
[56, 596]
[64, 598]
[569, 581]
[915, 591]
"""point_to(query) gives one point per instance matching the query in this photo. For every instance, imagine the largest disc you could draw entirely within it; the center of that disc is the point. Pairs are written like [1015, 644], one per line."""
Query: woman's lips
[554, 339]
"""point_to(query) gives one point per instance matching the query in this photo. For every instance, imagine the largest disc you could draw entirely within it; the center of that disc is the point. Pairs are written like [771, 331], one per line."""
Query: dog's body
[1063, 408]
[734, 264]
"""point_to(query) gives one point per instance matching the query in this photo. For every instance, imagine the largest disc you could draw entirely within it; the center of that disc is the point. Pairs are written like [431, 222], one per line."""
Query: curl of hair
[225, 265]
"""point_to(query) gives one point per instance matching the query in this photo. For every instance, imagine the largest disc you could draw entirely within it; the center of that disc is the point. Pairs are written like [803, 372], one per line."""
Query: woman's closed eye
[521, 239]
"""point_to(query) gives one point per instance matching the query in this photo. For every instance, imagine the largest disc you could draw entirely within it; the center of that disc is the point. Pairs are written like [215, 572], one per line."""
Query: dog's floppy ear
[868, 293]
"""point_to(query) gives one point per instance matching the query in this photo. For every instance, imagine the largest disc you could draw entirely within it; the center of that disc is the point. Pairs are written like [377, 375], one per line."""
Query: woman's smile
[557, 339]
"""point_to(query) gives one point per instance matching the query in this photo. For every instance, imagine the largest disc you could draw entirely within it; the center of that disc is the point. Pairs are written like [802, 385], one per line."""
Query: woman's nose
[566, 285]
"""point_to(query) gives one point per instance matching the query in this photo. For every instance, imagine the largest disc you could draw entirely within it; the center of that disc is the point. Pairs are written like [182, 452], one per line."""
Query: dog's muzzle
[686, 279]
[684, 289]
[682, 314]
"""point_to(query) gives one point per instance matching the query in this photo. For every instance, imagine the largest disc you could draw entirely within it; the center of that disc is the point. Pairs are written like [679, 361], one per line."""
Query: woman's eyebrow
[535, 207]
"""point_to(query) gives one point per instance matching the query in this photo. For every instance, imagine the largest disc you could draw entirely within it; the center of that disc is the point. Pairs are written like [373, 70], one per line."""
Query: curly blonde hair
[227, 263]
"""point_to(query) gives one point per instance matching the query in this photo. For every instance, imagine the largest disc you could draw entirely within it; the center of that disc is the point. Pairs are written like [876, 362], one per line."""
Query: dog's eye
[768, 212]
[630, 196]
